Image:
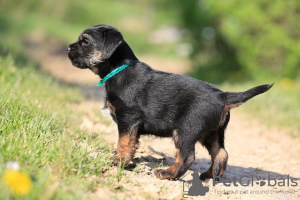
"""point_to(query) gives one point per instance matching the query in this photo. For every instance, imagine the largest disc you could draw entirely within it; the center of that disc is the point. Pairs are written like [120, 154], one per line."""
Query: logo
[246, 180]
[194, 187]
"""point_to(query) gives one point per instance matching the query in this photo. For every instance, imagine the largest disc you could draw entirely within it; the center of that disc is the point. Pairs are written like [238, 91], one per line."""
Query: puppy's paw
[205, 175]
[118, 160]
[164, 174]
[115, 162]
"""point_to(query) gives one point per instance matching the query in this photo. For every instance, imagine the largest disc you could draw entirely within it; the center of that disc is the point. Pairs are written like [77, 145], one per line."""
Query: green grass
[40, 132]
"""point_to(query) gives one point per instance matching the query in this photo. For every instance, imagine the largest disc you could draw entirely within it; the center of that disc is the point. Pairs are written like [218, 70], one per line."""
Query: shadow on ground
[232, 174]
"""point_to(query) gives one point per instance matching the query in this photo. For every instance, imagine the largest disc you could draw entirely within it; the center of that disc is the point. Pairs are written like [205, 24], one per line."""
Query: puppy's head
[94, 46]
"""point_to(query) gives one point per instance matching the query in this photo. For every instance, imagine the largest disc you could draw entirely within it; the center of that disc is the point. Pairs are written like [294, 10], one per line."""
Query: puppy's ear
[112, 40]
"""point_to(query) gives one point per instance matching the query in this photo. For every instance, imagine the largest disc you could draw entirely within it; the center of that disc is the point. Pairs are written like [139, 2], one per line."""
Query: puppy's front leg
[127, 145]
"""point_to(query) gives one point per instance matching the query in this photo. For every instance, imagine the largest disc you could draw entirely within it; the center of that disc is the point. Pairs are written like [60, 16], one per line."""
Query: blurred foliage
[66, 19]
[231, 40]
[238, 40]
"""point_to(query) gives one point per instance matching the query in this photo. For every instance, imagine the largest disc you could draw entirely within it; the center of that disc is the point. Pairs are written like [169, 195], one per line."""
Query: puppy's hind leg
[219, 156]
[185, 157]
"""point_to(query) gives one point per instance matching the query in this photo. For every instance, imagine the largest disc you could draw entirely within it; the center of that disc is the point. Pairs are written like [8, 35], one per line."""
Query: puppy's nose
[68, 49]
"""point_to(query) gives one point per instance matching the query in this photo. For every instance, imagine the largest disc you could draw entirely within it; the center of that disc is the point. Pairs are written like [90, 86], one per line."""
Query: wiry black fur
[159, 103]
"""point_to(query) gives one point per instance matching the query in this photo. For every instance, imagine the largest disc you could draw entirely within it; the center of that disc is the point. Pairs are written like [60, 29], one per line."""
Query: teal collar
[114, 72]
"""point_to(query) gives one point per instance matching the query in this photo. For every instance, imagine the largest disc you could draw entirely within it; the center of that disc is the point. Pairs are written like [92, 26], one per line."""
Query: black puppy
[144, 101]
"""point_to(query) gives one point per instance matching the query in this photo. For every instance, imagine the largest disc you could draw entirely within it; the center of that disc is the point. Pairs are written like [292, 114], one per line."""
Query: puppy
[144, 101]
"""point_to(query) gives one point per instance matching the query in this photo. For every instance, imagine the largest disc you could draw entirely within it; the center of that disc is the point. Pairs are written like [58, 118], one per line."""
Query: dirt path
[267, 154]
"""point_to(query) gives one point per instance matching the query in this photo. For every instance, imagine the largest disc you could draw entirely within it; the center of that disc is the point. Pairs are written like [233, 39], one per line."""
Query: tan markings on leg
[127, 145]
[178, 162]
[179, 167]
[219, 159]
[222, 154]
[215, 149]
[225, 112]
[212, 152]
[173, 172]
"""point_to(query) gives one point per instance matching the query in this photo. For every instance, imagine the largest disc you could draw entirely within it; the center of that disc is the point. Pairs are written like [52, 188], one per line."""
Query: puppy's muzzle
[73, 56]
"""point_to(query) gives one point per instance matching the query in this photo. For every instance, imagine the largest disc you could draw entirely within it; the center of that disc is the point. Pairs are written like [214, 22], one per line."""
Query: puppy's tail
[234, 99]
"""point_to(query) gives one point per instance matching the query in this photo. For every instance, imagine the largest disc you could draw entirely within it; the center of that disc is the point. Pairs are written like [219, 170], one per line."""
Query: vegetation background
[225, 40]
[235, 44]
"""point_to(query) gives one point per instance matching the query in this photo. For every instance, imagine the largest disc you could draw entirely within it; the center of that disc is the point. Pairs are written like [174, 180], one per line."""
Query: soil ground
[264, 159]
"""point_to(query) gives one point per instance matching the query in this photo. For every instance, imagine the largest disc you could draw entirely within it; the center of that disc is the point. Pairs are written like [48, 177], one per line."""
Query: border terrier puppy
[144, 101]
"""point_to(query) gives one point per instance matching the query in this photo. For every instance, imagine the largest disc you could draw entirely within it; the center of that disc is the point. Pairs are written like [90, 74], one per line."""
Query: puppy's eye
[85, 42]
